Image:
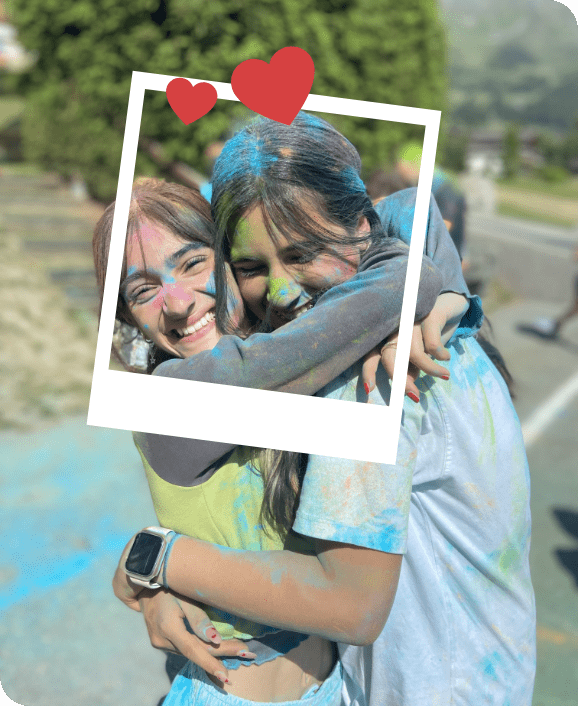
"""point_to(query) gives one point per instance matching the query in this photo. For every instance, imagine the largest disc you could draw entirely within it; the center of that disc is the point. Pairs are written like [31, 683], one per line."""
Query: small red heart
[190, 102]
[276, 90]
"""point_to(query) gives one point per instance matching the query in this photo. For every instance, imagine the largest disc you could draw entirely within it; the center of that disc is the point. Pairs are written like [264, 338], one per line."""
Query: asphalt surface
[72, 496]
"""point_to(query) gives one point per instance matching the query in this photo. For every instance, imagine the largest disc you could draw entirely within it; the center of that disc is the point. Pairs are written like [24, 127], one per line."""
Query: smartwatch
[145, 559]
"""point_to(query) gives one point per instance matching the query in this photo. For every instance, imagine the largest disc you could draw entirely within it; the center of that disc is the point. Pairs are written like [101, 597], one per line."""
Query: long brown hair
[180, 209]
[282, 473]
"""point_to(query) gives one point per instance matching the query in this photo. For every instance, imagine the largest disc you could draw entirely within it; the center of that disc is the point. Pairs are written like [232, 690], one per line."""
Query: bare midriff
[286, 678]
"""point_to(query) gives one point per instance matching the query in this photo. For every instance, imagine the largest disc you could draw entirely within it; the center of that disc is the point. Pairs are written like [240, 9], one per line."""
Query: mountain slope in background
[512, 60]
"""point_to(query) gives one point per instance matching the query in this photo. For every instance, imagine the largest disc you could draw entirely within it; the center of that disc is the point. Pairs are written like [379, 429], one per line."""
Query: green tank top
[224, 510]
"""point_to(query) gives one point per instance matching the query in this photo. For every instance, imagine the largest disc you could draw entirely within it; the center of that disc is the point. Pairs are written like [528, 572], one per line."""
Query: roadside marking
[544, 415]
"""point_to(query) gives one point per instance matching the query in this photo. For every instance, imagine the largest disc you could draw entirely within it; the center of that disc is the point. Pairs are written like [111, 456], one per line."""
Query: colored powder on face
[210, 286]
[279, 288]
[241, 241]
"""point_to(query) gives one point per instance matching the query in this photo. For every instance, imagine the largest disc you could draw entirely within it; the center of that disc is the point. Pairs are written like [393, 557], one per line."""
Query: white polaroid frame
[124, 400]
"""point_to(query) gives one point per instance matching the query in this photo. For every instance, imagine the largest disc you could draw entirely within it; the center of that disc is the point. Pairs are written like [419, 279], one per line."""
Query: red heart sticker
[190, 102]
[276, 90]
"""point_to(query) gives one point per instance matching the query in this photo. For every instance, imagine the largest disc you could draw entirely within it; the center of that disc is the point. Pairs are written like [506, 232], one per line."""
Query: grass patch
[22, 169]
[566, 189]
[507, 209]
[10, 107]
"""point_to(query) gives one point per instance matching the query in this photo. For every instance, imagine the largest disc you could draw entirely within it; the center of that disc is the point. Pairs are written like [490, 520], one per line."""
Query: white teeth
[207, 318]
[292, 315]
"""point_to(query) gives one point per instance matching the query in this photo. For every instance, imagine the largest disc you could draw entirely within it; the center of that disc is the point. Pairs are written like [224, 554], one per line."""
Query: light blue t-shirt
[462, 627]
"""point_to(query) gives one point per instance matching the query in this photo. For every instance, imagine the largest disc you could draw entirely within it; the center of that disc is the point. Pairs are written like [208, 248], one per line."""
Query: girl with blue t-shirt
[388, 528]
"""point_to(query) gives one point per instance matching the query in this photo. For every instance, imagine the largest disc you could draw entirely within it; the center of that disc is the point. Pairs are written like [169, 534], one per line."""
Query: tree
[511, 153]
[377, 50]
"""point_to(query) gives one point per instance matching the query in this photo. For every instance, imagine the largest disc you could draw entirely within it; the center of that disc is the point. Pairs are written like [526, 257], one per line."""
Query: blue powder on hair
[242, 155]
[353, 180]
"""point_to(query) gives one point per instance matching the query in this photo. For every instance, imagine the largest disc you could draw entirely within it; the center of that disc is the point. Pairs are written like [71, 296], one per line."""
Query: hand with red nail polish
[166, 617]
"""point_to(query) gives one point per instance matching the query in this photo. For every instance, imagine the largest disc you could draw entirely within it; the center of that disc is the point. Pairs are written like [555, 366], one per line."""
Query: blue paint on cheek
[211, 287]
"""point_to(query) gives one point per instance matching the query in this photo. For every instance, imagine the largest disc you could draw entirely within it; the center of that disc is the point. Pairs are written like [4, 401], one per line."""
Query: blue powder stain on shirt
[391, 539]
[489, 665]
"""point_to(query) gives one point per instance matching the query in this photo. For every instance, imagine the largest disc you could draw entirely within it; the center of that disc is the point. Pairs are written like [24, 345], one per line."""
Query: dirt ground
[47, 300]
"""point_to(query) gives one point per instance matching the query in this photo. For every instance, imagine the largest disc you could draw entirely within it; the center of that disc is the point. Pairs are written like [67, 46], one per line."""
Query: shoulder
[396, 203]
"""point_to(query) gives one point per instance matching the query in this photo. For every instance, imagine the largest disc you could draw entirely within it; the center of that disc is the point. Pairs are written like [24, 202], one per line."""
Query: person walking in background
[550, 328]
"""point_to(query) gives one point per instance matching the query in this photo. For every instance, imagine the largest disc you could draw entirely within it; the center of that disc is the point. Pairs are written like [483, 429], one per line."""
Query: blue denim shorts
[192, 687]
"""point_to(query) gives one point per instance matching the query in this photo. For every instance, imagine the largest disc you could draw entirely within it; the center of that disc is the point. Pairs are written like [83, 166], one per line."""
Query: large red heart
[276, 90]
[190, 102]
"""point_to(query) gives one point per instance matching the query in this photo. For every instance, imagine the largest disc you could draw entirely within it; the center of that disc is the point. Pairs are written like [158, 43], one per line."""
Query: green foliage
[511, 154]
[553, 174]
[454, 152]
[375, 50]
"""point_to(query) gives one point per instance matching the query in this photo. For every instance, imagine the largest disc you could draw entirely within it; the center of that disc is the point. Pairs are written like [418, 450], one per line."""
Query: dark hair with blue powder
[290, 172]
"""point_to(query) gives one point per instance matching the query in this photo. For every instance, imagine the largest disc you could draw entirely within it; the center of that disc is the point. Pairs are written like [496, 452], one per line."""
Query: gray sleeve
[396, 214]
[301, 357]
[305, 354]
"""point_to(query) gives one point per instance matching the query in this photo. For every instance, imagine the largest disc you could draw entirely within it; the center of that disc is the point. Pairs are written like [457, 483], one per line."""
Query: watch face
[144, 552]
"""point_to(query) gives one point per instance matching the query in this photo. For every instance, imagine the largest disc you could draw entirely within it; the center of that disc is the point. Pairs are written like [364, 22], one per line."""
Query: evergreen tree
[511, 152]
[375, 50]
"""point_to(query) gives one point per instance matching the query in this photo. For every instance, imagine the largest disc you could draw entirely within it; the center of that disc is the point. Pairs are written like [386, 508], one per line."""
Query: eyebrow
[252, 258]
[175, 257]
[169, 262]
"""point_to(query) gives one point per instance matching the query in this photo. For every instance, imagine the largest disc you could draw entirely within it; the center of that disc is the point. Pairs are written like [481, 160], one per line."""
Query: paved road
[530, 260]
[71, 498]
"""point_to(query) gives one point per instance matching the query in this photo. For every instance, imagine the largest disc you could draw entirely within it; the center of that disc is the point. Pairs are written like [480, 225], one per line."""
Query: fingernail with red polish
[367, 390]
[246, 654]
[211, 633]
[413, 396]
[445, 377]
[221, 677]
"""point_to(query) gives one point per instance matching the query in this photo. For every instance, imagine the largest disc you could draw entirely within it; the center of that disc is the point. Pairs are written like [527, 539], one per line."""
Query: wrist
[162, 577]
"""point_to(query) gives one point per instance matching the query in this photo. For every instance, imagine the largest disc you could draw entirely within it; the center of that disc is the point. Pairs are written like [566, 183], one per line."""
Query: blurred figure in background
[550, 328]
[449, 197]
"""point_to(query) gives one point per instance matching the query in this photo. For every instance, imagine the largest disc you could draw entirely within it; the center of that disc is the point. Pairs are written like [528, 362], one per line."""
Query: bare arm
[344, 593]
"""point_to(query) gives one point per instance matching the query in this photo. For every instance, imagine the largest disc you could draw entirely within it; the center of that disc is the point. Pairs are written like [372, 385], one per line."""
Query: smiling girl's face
[277, 279]
[169, 290]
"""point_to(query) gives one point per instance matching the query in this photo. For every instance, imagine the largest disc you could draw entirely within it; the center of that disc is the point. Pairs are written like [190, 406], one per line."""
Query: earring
[152, 351]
